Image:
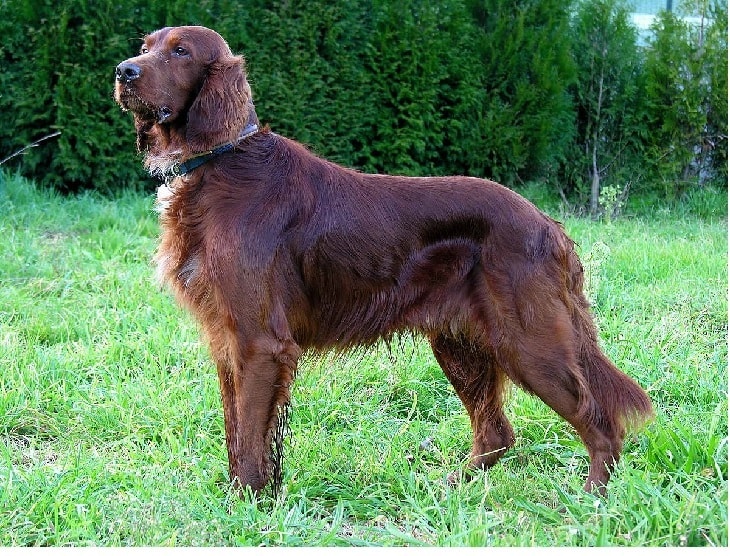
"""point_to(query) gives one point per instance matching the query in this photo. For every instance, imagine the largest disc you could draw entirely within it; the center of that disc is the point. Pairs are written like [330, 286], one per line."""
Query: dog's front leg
[255, 377]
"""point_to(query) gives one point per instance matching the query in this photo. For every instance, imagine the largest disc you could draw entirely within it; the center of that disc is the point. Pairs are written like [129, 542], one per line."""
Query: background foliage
[504, 89]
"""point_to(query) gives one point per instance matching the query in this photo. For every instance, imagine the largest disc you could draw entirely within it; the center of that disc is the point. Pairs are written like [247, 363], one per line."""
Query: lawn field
[111, 430]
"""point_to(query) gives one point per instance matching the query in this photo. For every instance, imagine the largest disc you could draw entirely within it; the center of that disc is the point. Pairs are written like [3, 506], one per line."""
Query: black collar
[199, 159]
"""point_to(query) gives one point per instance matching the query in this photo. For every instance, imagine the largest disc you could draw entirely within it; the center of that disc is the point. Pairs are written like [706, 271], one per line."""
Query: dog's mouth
[129, 100]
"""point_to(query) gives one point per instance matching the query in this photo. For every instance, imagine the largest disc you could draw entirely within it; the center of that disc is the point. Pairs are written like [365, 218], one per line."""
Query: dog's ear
[222, 107]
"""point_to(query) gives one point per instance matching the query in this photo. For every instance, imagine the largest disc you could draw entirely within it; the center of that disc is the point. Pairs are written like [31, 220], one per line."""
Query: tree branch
[34, 144]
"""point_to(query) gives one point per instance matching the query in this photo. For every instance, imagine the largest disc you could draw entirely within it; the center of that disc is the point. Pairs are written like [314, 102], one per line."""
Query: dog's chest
[178, 262]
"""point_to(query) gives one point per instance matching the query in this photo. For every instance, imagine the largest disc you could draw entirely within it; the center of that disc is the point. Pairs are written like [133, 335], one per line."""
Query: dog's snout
[127, 71]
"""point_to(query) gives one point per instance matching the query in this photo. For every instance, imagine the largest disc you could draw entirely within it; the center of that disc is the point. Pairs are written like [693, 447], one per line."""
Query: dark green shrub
[414, 61]
[370, 84]
[716, 134]
[306, 68]
[58, 76]
[410, 87]
[520, 122]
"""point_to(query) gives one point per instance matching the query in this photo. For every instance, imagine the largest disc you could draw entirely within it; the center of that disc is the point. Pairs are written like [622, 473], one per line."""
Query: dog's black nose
[127, 71]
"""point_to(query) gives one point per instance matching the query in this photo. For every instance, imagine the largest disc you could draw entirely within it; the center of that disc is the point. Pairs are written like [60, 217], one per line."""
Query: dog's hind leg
[541, 357]
[479, 383]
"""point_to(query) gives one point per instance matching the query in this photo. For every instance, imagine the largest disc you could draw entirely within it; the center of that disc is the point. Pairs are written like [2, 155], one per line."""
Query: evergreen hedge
[489, 88]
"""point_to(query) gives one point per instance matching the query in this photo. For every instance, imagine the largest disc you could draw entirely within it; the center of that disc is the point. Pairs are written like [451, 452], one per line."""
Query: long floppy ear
[222, 107]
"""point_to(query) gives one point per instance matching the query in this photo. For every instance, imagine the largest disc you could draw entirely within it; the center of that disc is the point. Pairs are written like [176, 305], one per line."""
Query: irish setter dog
[276, 252]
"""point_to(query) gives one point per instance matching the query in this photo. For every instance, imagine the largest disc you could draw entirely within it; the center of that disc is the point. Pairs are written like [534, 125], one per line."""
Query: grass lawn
[111, 428]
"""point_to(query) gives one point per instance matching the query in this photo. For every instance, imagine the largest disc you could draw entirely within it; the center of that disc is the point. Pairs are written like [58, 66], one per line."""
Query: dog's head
[187, 86]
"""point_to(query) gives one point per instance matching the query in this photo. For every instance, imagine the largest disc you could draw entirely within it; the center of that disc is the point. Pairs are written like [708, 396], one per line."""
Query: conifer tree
[607, 95]
[687, 96]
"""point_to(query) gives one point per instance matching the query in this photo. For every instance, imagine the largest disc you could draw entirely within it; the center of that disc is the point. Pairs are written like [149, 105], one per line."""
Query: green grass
[111, 430]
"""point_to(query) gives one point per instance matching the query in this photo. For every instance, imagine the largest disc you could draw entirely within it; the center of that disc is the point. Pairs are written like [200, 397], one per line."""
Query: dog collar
[199, 159]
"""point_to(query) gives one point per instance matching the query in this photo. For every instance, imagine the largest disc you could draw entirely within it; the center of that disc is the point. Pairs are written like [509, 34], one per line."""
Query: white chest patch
[164, 198]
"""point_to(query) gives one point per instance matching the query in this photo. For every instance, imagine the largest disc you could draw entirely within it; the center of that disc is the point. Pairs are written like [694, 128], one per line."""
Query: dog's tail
[622, 404]
[619, 403]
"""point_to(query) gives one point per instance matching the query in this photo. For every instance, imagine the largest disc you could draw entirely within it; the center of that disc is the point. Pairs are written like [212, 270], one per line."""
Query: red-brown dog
[276, 251]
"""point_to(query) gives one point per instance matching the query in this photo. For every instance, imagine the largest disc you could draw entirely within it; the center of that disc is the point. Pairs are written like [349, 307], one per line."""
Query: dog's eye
[144, 50]
[180, 51]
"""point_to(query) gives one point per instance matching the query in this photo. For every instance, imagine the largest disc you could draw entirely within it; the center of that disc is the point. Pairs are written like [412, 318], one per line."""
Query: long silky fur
[280, 253]
[281, 432]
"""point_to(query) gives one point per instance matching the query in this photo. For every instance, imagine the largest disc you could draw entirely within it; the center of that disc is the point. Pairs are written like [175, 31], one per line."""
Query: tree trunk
[595, 183]
[595, 172]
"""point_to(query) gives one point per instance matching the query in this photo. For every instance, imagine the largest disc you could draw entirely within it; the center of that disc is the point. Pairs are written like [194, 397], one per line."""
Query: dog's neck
[201, 158]
[169, 153]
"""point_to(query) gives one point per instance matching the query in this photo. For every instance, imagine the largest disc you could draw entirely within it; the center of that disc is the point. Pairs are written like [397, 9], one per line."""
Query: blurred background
[596, 99]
